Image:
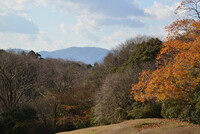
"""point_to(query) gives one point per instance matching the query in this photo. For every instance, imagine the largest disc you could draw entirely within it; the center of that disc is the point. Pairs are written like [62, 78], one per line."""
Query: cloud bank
[101, 23]
[17, 24]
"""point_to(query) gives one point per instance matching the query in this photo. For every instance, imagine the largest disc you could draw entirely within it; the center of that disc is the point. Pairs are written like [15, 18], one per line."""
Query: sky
[48, 25]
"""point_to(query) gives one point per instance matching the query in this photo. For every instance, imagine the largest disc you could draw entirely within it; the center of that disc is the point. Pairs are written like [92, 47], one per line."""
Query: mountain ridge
[88, 55]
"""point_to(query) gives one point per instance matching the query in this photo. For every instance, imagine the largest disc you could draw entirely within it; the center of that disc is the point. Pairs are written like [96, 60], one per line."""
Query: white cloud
[29, 42]
[63, 28]
[115, 39]
[112, 12]
[84, 29]
[92, 15]
[157, 31]
[19, 6]
[112, 8]
[161, 11]
[9, 6]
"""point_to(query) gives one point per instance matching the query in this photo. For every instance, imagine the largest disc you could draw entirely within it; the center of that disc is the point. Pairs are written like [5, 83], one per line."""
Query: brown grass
[142, 126]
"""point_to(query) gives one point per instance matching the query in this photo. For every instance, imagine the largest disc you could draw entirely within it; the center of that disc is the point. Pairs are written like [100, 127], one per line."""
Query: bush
[18, 121]
[172, 109]
[144, 110]
[189, 111]
[193, 114]
[193, 110]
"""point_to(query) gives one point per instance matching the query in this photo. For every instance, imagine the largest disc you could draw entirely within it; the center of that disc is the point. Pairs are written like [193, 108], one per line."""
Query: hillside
[88, 55]
[142, 126]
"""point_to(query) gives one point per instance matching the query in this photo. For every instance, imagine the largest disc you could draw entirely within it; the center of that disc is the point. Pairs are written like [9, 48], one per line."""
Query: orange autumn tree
[178, 72]
[176, 79]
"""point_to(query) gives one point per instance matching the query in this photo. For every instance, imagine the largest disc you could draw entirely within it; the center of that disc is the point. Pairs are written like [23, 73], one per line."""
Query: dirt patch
[144, 126]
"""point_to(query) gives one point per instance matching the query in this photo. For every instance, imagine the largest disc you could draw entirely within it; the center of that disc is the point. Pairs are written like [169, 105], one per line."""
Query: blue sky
[57, 24]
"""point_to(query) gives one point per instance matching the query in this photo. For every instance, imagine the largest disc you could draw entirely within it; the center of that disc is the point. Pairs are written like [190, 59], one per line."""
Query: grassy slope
[142, 126]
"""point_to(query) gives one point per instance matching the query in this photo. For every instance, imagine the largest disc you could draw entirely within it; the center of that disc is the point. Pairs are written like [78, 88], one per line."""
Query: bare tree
[112, 99]
[191, 7]
[17, 77]
[57, 83]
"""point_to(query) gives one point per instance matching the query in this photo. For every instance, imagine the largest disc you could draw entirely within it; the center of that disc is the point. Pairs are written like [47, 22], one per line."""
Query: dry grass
[142, 126]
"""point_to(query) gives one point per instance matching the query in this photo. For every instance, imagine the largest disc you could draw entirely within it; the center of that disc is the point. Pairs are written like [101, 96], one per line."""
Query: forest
[144, 77]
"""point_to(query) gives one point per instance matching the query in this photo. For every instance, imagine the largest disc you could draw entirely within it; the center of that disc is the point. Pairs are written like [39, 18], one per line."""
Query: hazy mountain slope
[89, 55]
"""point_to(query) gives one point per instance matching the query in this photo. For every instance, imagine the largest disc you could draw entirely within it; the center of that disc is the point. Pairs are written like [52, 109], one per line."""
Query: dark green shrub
[184, 110]
[193, 114]
[189, 111]
[193, 110]
[172, 109]
[144, 110]
[18, 121]
[92, 118]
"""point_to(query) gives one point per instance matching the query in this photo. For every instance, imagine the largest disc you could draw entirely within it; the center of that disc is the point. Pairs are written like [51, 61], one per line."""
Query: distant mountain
[88, 55]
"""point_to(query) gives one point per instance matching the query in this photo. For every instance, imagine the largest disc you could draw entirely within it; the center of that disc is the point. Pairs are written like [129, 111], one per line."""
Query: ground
[142, 126]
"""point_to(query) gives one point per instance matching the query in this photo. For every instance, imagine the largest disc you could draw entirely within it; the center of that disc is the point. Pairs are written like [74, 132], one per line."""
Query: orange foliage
[67, 107]
[185, 29]
[177, 78]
